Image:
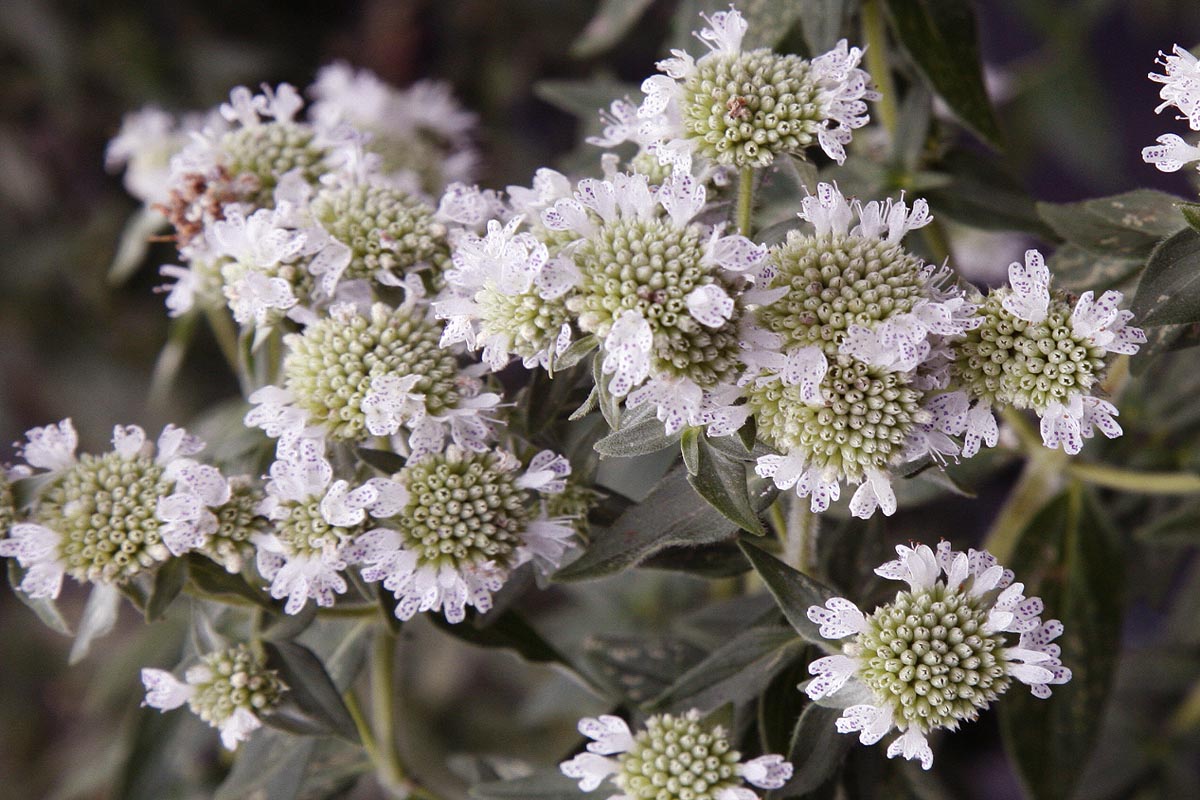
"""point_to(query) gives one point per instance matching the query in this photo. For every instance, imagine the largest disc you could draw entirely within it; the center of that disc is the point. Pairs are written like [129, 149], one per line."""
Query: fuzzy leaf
[721, 481]
[816, 752]
[168, 583]
[793, 591]
[45, 608]
[641, 433]
[548, 784]
[1069, 555]
[1191, 213]
[585, 98]
[507, 630]
[736, 672]
[670, 515]
[1128, 224]
[1169, 292]
[312, 704]
[940, 37]
[212, 579]
[1078, 270]
[821, 21]
[612, 20]
[639, 668]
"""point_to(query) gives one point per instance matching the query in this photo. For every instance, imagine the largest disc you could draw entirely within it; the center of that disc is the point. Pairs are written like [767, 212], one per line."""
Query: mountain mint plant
[717, 348]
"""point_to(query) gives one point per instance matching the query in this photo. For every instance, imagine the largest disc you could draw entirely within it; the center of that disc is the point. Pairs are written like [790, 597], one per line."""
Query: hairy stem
[745, 200]
[800, 545]
[1132, 481]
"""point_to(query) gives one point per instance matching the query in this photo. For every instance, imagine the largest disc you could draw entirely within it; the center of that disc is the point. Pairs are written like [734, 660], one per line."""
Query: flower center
[677, 758]
[238, 680]
[105, 508]
[926, 655]
[268, 151]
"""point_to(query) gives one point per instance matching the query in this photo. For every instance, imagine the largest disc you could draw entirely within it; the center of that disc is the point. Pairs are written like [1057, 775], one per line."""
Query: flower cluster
[1180, 81]
[937, 655]
[672, 758]
[228, 689]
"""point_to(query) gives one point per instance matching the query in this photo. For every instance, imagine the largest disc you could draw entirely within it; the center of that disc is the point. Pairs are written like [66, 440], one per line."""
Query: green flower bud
[261, 154]
[678, 758]
[235, 679]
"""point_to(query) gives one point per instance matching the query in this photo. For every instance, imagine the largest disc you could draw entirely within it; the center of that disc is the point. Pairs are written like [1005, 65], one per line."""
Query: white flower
[1181, 84]
[793, 472]
[972, 601]
[1171, 153]
[36, 548]
[247, 109]
[52, 447]
[1030, 282]
[627, 353]
[1104, 325]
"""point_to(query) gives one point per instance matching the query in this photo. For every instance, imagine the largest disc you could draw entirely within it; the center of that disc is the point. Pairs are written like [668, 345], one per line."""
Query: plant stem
[383, 691]
[875, 35]
[1133, 481]
[745, 200]
[226, 334]
[1039, 481]
[800, 545]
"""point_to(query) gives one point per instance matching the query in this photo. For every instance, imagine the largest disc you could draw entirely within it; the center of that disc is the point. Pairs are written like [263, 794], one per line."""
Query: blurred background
[1068, 79]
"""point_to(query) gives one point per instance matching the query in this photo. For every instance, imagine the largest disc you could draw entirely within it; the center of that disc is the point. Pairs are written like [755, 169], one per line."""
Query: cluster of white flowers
[1180, 81]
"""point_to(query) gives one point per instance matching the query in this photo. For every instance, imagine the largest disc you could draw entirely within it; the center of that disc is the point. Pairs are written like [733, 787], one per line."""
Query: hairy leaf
[816, 751]
[168, 583]
[793, 591]
[1128, 224]
[1169, 292]
[312, 703]
[721, 481]
[612, 20]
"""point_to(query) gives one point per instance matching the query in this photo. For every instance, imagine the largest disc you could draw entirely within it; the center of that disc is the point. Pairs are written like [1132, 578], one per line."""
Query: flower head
[939, 653]
[672, 758]
[743, 108]
[228, 689]
[462, 521]
[106, 518]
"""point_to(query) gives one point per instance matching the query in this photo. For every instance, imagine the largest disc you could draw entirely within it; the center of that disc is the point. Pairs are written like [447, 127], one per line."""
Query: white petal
[163, 690]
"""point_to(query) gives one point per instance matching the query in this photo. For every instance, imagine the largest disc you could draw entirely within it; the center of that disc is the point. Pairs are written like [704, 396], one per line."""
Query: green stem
[1039, 481]
[1133, 481]
[383, 694]
[745, 200]
[875, 35]
[800, 549]
[363, 728]
[1187, 716]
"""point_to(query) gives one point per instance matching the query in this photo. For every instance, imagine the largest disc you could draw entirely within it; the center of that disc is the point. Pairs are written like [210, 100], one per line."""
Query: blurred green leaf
[385, 461]
[670, 515]
[816, 751]
[793, 591]
[1191, 213]
[585, 98]
[99, 617]
[1180, 527]
[737, 671]
[1128, 224]
[507, 630]
[780, 705]
[134, 244]
[1169, 292]
[169, 581]
[610, 406]
[983, 193]
[940, 38]
[549, 784]
[271, 765]
[612, 20]
[821, 22]
[45, 608]
[639, 668]
[1069, 555]
[312, 703]
[721, 481]
[1078, 270]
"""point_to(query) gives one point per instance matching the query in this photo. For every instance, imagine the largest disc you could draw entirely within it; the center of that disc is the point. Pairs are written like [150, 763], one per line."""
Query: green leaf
[1078, 270]
[576, 351]
[940, 38]
[816, 751]
[779, 707]
[99, 617]
[1191, 213]
[721, 481]
[168, 583]
[670, 515]
[641, 433]
[721, 560]
[610, 406]
[737, 671]
[639, 668]
[612, 20]
[793, 591]
[312, 703]
[134, 244]
[1180, 527]
[1169, 292]
[821, 22]
[270, 765]
[45, 608]
[211, 579]
[585, 98]
[1128, 224]
[1069, 555]
[507, 630]
[983, 193]
[549, 784]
